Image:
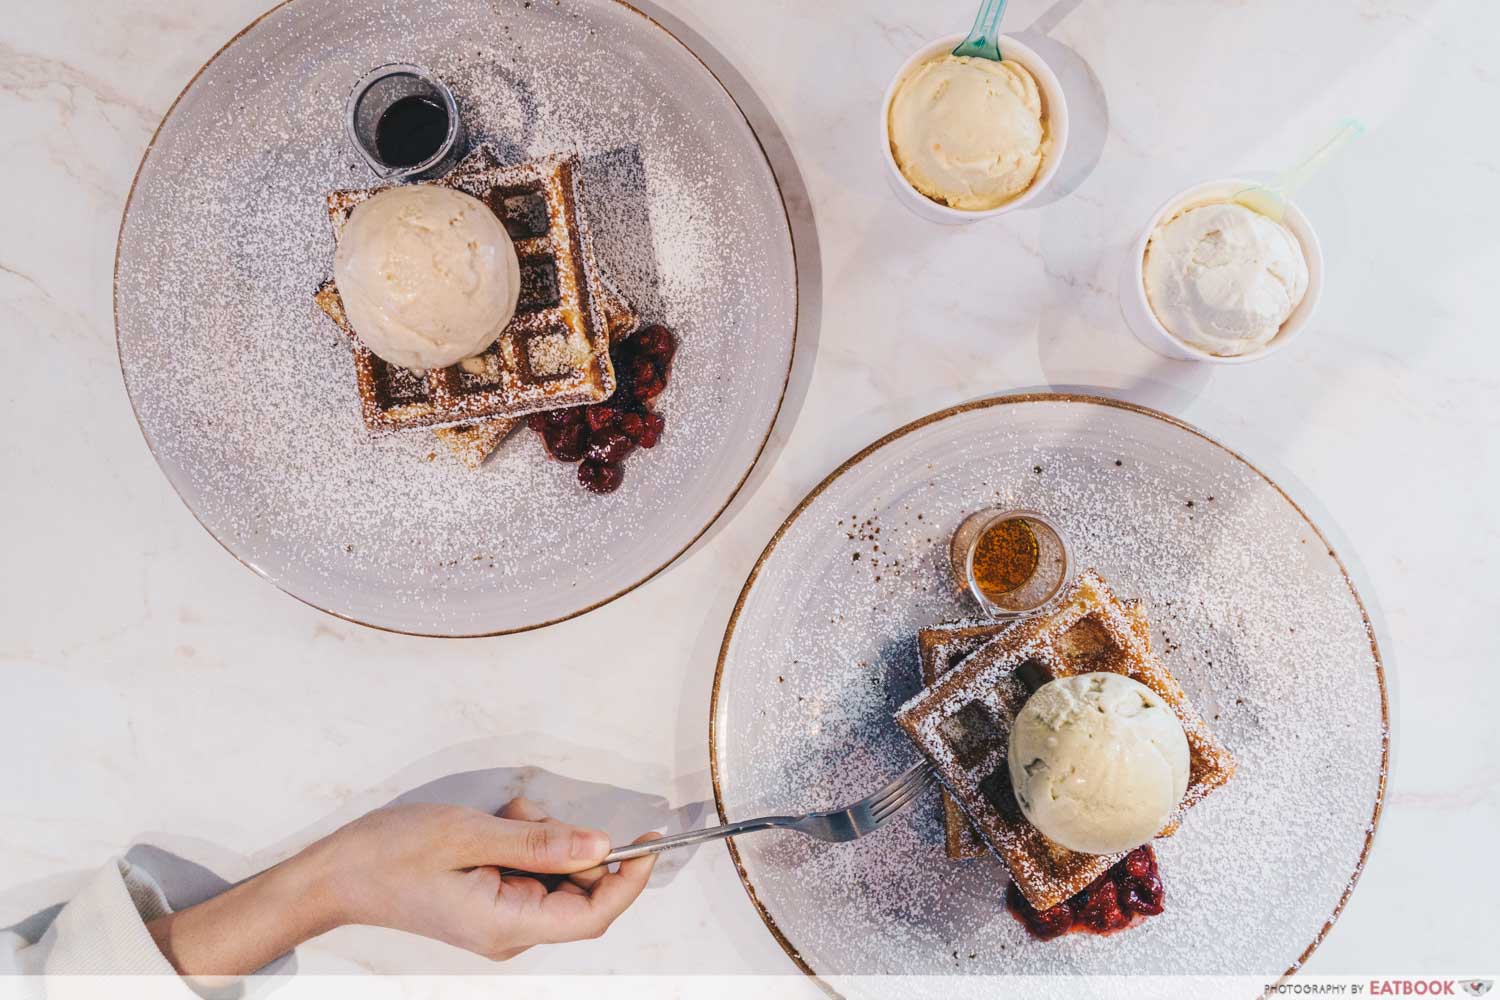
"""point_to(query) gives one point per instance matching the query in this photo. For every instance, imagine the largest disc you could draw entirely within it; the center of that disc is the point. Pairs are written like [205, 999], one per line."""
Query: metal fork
[849, 823]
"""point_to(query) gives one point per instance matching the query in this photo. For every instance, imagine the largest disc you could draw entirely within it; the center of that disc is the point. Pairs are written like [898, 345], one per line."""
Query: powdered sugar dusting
[246, 393]
[1251, 614]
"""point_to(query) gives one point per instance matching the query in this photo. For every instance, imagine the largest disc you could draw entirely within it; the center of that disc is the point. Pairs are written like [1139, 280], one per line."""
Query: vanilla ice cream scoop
[1098, 762]
[1223, 278]
[968, 132]
[428, 275]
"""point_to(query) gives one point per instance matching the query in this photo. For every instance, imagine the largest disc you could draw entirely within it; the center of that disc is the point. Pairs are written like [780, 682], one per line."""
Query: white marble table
[154, 692]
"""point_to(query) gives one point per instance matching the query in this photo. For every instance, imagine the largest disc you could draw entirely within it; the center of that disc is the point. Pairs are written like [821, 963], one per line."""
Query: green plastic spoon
[983, 42]
[1271, 200]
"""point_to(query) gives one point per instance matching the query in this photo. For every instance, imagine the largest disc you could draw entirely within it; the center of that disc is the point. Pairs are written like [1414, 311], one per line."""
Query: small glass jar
[373, 96]
[1053, 568]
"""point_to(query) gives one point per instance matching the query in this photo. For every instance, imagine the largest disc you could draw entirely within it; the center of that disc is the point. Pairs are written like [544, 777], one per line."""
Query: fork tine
[920, 780]
[900, 781]
[916, 776]
[879, 816]
[889, 808]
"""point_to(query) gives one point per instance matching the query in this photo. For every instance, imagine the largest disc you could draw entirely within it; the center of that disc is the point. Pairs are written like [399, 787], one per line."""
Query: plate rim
[649, 575]
[987, 402]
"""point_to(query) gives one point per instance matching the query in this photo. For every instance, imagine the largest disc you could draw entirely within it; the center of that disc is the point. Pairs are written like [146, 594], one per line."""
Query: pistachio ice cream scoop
[1098, 762]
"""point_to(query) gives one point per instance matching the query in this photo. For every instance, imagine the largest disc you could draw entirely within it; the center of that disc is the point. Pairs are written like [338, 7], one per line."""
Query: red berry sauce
[1122, 897]
[601, 436]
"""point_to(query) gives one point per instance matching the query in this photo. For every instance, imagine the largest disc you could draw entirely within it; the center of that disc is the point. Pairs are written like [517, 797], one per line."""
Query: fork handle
[884, 797]
[687, 839]
[692, 837]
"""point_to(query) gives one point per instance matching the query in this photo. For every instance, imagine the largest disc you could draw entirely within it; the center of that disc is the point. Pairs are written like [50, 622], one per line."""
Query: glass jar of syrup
[404, 123]
[1013, 562]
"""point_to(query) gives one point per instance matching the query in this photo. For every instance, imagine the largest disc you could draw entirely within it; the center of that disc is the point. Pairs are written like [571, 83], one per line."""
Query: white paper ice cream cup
[1142, 321]
[1054, 112]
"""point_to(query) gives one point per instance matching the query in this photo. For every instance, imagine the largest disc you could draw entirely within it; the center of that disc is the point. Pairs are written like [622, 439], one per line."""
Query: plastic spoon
[982, 42]
[1271, 200]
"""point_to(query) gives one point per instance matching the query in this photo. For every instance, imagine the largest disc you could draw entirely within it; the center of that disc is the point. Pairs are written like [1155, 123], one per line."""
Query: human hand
[428, 869]
[433, 870]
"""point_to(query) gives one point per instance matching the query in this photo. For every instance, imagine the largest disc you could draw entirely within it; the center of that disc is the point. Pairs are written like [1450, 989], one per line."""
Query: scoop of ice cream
[1224, 278]
[1098, 762]
[968, 132]
[428, 275]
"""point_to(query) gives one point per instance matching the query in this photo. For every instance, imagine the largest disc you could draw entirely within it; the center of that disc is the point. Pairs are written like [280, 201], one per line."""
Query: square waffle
[472, 443]
[943, 647]
[553, 353]
[940, 649]
[962, 724]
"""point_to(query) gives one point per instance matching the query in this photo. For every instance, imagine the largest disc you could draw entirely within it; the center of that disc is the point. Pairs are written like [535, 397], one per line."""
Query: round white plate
[1251, 610]
[246, 393]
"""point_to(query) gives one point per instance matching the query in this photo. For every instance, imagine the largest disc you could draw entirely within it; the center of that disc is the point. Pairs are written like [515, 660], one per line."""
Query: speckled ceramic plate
[246, 393]
[1251, 610]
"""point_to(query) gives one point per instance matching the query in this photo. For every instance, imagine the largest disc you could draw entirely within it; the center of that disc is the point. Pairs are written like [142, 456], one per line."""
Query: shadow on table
[1088, 108]
[624, 813]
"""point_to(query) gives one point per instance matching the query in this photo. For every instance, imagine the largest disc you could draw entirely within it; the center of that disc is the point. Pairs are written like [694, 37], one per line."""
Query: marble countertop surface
[153, 692]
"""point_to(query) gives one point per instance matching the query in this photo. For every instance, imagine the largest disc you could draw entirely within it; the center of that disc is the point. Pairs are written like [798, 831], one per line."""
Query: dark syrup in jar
[411, 130]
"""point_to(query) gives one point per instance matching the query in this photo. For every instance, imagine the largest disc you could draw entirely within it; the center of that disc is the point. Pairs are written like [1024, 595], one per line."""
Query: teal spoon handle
[983, 41]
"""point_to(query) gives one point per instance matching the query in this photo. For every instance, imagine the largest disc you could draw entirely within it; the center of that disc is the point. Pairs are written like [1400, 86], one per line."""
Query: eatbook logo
[1477, 987]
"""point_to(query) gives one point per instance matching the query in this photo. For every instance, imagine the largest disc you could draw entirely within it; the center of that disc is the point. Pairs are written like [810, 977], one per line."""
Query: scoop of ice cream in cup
[967, 138]
[1210, 279]
[1223, 278]
[428, 275]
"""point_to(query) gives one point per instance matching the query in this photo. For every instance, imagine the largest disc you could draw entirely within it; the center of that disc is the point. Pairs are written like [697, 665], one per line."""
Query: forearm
[250, 925]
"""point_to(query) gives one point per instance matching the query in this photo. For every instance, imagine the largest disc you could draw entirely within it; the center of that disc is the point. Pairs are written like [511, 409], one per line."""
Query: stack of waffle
[554, 352]
[977, 677]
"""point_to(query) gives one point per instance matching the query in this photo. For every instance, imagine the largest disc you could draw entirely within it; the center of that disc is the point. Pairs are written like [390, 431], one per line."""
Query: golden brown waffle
[962, 724]
[472, 443]
[943, 647]
[940, 649]
[620, 317]
[553, 353]
[469, 443]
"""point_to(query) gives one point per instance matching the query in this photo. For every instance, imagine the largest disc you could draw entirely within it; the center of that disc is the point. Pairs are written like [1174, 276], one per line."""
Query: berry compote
[1125, 895]
[599, 437]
